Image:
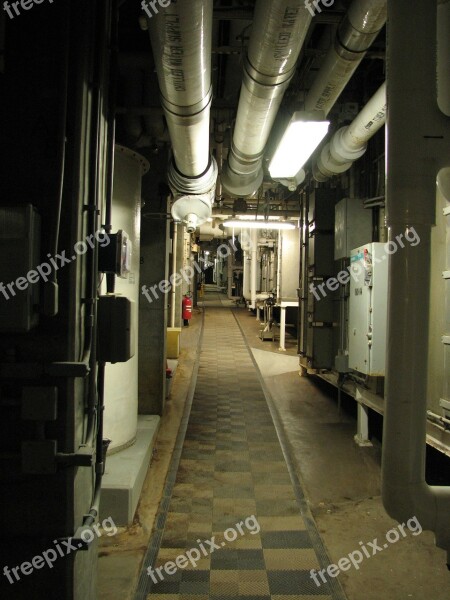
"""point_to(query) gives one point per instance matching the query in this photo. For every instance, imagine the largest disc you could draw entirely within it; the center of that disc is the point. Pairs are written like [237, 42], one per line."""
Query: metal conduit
[278, 33]
[355, 35]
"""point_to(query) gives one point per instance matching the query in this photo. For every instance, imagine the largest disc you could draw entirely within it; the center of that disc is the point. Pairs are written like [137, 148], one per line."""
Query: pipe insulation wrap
[350, 143]
[355, 35]
[278, 34]
[181, 37]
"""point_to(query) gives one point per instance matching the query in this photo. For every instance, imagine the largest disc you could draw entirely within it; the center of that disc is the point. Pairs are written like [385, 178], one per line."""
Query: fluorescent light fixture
[238, 224]
[302, 136]
[258, 218]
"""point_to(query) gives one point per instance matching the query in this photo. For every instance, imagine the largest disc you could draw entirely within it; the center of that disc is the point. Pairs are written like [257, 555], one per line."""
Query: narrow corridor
[229, 479]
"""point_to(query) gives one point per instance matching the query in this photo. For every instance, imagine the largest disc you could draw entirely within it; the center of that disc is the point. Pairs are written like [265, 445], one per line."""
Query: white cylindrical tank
[121, 379]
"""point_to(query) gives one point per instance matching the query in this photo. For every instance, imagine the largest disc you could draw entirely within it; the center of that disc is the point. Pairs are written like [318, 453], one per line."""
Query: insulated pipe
[254, 251]
[350, 143]
[230, 276]
[181, 41]
[355, 35]
[417, 149]
[246, 276]
[278, 33]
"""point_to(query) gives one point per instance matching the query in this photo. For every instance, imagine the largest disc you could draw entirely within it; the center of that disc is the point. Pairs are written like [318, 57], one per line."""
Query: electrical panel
[289, 265]
[20, 233]
[368, 309]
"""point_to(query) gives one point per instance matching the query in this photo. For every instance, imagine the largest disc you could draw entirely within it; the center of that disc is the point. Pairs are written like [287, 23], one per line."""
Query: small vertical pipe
[283, 329]
[279, 265]
[173, 292]
[254, 251]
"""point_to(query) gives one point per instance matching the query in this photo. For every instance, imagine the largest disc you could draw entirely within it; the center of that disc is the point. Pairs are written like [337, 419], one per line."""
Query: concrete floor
[120, 557]
[342, 485]
[341, 482]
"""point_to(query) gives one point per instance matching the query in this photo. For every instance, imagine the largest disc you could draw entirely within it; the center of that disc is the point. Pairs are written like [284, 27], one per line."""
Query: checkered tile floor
[231, 467]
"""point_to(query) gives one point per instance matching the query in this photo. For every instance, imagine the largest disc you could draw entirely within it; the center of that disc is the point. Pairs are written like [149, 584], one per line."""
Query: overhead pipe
[418, 150]
[358, 30]
[278, 34]
[350, 143]
[181, 40]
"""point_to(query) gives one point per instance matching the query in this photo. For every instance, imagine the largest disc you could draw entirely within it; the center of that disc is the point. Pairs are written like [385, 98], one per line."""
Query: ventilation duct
[278, 33]
[181, 40]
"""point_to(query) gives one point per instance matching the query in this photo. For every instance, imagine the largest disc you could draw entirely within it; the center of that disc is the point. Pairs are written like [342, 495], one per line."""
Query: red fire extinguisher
[187, 309]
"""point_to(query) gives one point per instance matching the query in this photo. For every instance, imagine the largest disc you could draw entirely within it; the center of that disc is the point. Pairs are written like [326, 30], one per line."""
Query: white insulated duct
[358, 30]
[350, 143]
[181, 41]
[278, 33]
[417, 151]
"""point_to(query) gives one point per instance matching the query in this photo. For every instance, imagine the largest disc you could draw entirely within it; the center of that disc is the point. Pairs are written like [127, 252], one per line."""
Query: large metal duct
[350, 143]
[355, 35]
[278, 33]
[181, 40]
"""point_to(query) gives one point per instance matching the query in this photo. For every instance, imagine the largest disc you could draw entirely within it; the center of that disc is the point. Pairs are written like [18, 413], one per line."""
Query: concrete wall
[153, 315]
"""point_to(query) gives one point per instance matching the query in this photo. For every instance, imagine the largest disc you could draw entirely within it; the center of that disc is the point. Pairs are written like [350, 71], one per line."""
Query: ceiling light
[302, 136]
[260, 224]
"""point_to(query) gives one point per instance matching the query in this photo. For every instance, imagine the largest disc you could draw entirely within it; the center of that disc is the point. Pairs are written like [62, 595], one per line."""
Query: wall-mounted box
[173, 342]
[368, 309]
[116, 328]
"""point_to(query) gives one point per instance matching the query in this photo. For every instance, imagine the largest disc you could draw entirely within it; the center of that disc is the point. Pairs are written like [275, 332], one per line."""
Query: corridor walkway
[233, 515]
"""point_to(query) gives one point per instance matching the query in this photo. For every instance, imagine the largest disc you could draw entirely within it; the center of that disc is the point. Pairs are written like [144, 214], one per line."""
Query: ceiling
[141, 122]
